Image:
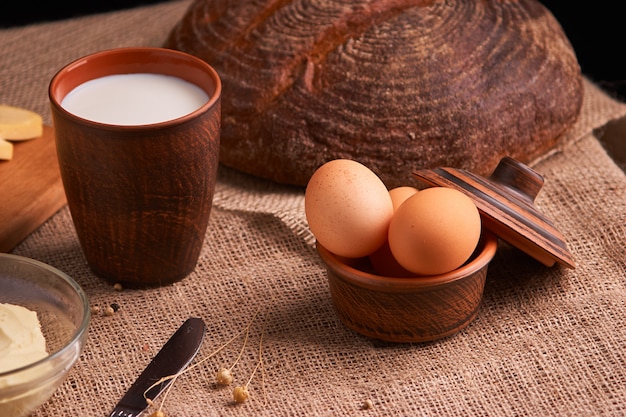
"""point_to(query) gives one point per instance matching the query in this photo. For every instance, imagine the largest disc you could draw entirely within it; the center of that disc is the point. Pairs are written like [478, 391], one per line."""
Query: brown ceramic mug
[140, 195]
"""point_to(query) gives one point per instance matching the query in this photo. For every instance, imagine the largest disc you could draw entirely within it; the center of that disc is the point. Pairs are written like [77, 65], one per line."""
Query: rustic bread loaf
[397, 85]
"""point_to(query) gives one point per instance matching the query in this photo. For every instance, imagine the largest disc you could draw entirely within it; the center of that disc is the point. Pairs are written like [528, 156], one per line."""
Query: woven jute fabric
[547, 341]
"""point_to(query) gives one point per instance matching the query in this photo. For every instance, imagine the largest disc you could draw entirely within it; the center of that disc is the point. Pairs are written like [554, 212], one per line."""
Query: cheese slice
[19, 124]
[6, 150]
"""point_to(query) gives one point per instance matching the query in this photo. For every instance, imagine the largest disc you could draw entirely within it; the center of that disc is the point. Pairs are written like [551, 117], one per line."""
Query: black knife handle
[173, 357]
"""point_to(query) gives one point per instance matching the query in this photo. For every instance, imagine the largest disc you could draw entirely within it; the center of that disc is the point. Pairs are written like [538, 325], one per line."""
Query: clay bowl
[416, 309]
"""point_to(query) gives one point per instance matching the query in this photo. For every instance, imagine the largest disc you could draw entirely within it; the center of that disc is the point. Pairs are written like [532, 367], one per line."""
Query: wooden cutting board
[31, 190]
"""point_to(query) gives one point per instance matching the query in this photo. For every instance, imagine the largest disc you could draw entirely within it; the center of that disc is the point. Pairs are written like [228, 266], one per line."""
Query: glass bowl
[62, 308]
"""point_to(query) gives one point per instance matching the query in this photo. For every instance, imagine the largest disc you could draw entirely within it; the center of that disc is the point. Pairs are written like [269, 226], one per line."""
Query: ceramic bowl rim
[488, 241]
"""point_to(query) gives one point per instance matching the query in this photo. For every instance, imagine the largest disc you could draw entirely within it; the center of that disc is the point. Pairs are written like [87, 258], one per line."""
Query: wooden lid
[506, 204]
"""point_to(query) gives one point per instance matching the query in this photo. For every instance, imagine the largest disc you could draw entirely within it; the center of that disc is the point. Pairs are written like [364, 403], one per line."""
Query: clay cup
[140, 195]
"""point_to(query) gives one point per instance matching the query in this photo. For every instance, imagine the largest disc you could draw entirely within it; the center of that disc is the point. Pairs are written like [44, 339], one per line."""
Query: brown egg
[386, 265]
[382, 259]
[399, 194]
[434, 231]
[348, 208]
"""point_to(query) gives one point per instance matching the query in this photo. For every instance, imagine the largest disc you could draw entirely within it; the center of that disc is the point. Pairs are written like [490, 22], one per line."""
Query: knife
[173, 357]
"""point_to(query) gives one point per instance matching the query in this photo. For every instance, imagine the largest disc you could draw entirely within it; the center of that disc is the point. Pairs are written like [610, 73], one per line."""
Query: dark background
[21, 12]
[595, 30]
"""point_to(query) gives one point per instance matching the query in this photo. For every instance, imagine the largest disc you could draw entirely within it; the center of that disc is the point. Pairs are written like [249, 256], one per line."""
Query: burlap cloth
[547, 341]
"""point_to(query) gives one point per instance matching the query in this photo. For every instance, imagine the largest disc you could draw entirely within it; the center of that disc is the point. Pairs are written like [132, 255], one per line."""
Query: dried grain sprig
[159, 412]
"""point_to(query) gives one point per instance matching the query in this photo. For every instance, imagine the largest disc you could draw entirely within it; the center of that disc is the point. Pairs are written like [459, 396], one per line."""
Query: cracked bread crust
[396, 85]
